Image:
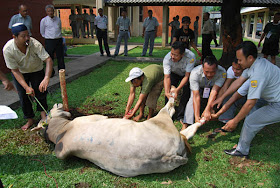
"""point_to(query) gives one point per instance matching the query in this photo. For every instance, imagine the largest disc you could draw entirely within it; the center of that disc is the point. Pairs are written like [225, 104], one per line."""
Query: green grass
[159, 40]
[161, 52]
[84, 49]
[208, 166]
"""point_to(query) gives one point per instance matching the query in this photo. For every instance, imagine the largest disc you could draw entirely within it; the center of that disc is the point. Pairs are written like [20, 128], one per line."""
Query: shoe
[151, 55]
[234, 152]
[114, 56]
[125, 54]
[109, 55]
[101, 55]
[142, 55]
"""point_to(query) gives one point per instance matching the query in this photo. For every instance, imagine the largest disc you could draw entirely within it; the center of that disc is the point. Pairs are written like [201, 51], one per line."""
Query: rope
[39, 104]
[46, 171]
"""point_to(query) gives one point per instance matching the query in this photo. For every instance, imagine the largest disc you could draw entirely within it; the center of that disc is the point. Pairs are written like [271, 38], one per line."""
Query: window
[140, 13]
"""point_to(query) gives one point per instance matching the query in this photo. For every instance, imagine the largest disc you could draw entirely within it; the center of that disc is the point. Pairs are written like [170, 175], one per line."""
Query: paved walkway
[75, 68]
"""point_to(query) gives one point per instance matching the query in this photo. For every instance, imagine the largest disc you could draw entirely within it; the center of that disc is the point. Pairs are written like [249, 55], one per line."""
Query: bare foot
[27, 125]
[235, 146]
[184, 125]
[137, 118]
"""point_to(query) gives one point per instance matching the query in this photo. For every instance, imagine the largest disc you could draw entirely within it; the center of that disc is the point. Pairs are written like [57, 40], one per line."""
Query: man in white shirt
[101, 22]
[50, 29]
[207, 35]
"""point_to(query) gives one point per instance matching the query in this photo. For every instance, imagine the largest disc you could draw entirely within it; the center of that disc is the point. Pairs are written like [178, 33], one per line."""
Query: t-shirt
[153, 74]
[184, 36]
[186, 64]
[198, 79]
[230, 73]
[30, 62]
[272, 32]
[264, 80]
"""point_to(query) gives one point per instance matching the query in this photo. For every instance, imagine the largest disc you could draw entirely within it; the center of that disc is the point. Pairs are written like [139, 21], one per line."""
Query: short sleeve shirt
[186, 64]
[123, 23]
[30, 62]
[243, 90]
[150, 24]
[198, 79]
[207, 27]
[101, 22]
[86, 17]
[72, 17]
[230, 73]
[153, 74]
[19, 19]
[184, 37]
[195, 26]
[272, 32]
[264, 80]
[91, 18]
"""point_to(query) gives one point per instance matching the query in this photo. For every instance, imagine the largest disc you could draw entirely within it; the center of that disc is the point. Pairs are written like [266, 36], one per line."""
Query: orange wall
[191, 11]
[36, 10]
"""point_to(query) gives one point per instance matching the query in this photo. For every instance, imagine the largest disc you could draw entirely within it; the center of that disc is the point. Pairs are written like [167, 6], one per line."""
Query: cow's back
[125, 147]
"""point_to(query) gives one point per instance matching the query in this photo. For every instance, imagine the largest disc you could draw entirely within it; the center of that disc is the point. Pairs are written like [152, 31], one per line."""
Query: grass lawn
[161, 52]
[104, 91]
[84, 49]
[159, 40]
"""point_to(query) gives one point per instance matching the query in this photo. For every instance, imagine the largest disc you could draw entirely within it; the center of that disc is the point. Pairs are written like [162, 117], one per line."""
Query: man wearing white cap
[151, 81]
[24, 55]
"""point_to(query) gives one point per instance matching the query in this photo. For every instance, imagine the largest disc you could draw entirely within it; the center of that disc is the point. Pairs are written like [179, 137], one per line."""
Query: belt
[102, 29]
[150, 31]
[123, 30]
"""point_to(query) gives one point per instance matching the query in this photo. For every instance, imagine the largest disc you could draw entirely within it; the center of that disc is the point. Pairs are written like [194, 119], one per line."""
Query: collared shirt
[32, 61]
[186, 64]
[72, 17]
[198, 79]
[230, 73]
[50, 28]
[92, 17]
[123, 23]
[79, 17]
[150, 24]
[153, 74]
[264, 80]
[19, 19]
[101, 22]
[207, 27]
[85, 17]
[243, 90]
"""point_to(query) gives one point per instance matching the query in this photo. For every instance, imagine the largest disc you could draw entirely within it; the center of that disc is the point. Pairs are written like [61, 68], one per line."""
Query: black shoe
[150, 55]
[101, 55]
[125, 54]
[234, 152]
[109, 55]
[114, 56]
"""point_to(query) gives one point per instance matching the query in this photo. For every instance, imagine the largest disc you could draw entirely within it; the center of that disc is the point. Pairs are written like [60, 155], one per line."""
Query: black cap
[186, 19]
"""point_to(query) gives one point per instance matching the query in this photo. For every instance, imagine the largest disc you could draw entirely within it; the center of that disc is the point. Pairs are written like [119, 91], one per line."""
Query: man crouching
[151, 81]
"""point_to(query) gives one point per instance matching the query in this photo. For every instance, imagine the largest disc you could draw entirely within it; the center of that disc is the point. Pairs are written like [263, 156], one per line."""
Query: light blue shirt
[19, 19]
[101, 22]
[264, 80]
[150, 24]
[123, 23]
[50, 28]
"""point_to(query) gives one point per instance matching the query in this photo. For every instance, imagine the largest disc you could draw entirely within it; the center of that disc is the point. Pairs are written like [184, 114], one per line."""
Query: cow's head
[56, 112]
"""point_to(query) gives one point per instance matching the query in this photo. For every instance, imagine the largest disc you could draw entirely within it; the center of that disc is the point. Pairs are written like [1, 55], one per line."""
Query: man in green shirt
[151, 81]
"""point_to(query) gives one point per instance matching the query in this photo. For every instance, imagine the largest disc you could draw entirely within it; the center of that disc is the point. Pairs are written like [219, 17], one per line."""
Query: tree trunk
[231, 30]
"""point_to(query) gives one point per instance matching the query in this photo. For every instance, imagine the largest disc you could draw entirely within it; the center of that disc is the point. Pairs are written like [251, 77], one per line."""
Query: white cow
[123, 147]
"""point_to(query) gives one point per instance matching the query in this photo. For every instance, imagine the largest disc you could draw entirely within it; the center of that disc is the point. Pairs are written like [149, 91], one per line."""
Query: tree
[231, 30]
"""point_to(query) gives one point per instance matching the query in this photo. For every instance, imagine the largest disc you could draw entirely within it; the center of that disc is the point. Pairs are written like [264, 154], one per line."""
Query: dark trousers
[86, 25]
[56, 46]
[35, 78]
[175, 81]
[206, 41]
[102, 34]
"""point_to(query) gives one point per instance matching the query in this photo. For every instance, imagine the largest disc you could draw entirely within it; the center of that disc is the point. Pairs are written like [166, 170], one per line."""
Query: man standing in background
[79, 21]
[91, 21]
[85, 22]
[150, 26]
[22, 17]
[50, 29]
[195, 26]
[73, 23]
[207, 35]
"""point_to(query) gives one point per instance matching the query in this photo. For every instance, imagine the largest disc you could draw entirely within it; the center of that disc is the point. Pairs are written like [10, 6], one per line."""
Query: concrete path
[75, 68]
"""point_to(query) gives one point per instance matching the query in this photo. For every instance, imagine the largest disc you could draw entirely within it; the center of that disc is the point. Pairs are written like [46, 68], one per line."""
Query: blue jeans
[149, 35]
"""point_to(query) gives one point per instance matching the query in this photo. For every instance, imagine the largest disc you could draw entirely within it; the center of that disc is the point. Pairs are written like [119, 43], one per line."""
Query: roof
[246, 3]
[251, 9]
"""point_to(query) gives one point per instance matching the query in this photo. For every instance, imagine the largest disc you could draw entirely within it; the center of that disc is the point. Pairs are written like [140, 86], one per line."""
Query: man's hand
[218, 101]
[44, 84]
[214, 116]
[207, 115]
[30, 91]
[230, 126]
[7, 85]
[128, 116]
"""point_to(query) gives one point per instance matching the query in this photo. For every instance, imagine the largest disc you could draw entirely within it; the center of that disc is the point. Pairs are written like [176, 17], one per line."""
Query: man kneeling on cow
[151, 81]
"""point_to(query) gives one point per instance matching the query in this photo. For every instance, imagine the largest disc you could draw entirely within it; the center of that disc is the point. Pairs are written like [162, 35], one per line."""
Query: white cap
[134, 73]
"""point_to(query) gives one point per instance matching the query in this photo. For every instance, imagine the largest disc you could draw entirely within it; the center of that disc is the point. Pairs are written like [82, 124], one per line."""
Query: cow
[121, 146]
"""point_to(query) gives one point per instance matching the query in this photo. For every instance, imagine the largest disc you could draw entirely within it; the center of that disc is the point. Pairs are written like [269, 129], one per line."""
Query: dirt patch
[82, 185]
[243, 163]
[208, 156]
